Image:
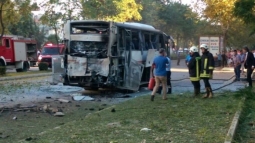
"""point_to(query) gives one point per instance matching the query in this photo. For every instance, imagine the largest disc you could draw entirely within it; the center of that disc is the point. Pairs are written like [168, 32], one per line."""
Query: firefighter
[206, 72]
[194, 69]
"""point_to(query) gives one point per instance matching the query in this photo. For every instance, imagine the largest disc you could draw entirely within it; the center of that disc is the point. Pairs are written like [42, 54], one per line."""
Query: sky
[185, 1]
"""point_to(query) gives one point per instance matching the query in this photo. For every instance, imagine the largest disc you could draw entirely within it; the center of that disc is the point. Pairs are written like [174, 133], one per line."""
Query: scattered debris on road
[82, 98]
[113, 110]
[59, 114]
[113, 125]
[145, 129]
[64, 100]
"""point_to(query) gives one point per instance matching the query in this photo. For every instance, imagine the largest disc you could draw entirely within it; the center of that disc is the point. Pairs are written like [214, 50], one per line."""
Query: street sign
[212, 42]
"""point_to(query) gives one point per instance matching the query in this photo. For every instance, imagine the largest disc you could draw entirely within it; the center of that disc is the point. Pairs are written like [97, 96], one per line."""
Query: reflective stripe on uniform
[205, 65]
[205, 75]
[194, 79]
[210, 68]
[197, 66]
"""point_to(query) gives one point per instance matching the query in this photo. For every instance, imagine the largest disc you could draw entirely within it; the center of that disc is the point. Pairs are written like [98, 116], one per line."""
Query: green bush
[2, 70]
[43, 66]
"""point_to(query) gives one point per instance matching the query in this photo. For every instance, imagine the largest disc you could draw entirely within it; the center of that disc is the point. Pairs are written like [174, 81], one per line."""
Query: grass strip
[179, 119]
[246, 128]
[233, 127]
[14, 74]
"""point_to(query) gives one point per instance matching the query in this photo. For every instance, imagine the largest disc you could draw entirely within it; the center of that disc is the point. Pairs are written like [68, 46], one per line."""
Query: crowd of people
[200, 67]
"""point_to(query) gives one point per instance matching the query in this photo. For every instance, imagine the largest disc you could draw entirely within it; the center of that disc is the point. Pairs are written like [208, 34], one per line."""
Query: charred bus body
[102, 54]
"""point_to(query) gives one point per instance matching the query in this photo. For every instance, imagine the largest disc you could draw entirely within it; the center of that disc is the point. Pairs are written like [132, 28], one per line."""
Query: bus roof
[133, 25]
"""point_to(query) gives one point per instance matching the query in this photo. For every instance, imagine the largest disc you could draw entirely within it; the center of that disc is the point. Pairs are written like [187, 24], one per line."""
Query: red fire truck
[49, 50]
[17, 52]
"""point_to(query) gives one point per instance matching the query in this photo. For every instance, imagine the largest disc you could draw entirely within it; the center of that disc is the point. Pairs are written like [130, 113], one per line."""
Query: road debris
[29, 139]
[2, 136]
[64, 100]
[115, 124]
[113, 110]
[82, 98]
[61, 88]
[59, 114]
[18, 108]
[14, 118]
[145, 129]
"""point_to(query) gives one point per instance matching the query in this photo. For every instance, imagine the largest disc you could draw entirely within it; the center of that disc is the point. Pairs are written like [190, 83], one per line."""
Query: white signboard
[212, 42]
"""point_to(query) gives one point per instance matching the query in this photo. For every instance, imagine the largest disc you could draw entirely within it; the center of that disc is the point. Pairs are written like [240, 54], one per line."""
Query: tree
[244, 9]
[7, 15]
[220, 12]
[70, 9]
[150, 16]
[52, 38]
[179, 20]
[52, 19]
[11, 10]
[113, 10]
[40, 36]
[25, 26]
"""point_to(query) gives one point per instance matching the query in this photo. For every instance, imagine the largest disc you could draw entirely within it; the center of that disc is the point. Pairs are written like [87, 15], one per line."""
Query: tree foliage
[245, 9]
[11, 11]
[220, 12]
[25, 26]
[7, 15]
[114, 10]
[51, 18]
[150, 16]
[180, 21]
[52, 38]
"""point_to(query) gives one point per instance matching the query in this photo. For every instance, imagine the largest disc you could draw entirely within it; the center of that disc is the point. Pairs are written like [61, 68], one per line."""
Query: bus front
[86, 61]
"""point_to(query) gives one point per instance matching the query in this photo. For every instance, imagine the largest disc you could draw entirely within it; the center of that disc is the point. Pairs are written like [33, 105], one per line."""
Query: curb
[25, 76]
[232, 130]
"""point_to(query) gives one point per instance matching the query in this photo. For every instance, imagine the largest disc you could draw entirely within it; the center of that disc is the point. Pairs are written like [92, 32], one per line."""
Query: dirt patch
[19, 123]
[28, 107]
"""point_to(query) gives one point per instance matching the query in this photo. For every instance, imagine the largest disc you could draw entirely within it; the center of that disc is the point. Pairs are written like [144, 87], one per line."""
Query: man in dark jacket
[206, 72]
[249, 64]
[224, 59]
[194, 69]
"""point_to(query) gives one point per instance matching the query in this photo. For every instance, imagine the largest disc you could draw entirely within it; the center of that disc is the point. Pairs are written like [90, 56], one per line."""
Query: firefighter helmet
[193, 49]
[204, 46]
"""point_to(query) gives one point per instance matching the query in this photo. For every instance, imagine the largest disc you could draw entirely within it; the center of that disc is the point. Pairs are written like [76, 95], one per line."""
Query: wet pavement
[222, 78]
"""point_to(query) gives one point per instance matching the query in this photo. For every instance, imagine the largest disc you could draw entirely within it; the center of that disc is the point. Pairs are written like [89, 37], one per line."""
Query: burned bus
[102, 54]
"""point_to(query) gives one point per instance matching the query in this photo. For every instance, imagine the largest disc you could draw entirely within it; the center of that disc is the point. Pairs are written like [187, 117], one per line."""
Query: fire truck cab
[17, 52]
[49, 50]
